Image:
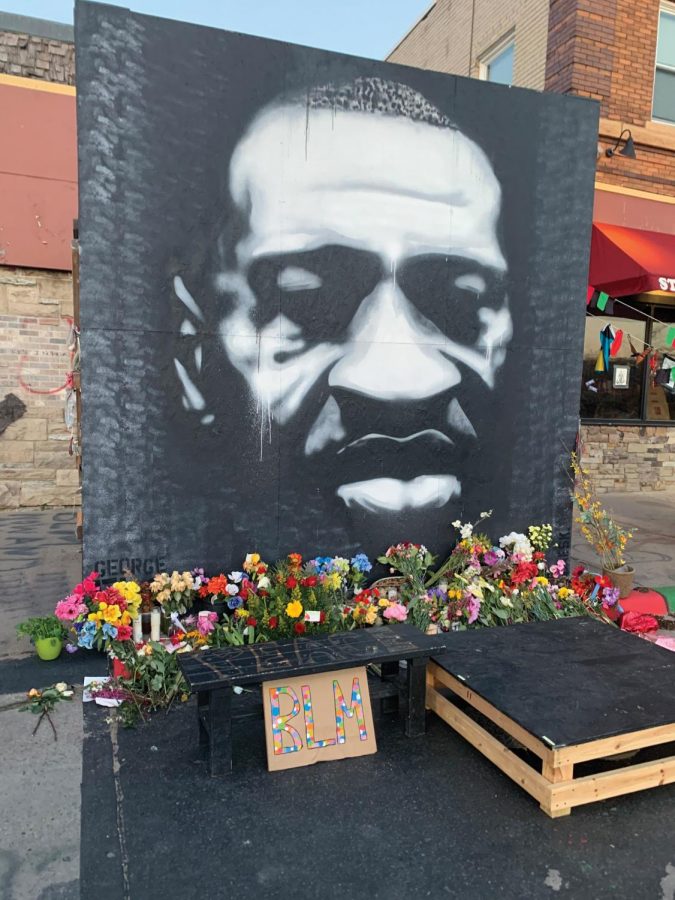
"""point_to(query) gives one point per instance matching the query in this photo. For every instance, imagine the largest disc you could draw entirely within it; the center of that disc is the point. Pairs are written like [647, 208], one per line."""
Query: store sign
[667, 284]
[317, 718]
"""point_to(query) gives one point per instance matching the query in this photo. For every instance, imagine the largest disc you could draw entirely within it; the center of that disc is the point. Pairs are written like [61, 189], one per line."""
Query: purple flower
[610, 596]
[234, 602]
[71, 648]
[472, 608]
[492, 557]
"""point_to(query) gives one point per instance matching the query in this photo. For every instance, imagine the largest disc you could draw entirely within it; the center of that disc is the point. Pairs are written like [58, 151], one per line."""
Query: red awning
[629, 261]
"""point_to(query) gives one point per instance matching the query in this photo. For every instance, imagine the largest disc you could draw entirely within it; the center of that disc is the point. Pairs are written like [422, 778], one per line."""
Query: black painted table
[212, 674]
[570, 691]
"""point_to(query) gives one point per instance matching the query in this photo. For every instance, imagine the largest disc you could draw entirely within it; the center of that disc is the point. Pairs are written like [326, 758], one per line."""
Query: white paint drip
[553, 880]
[668, 883]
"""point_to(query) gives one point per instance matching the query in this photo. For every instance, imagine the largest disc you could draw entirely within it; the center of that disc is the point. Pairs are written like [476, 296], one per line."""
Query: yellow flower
[564, 593]
[111, 613]
[371, 615]
[241, 612]
[383, 602]
[33, 692]
[294, 609]
[333, 581]
[130, 590]
[542, 580]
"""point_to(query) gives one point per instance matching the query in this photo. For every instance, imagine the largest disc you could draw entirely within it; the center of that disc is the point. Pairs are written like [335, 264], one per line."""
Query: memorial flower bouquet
[175, 593]
[100, 617]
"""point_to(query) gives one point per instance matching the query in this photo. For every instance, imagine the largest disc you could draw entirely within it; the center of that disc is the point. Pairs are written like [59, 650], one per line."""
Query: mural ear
[188, 361]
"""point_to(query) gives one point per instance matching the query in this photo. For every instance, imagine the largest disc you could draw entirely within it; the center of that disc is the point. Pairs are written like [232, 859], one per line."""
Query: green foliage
[39, 627]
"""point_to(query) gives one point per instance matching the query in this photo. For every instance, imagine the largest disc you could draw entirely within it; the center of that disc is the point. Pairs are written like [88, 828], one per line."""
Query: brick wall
[455, 35]
[31, 56]
[36, 307]
[606, 49]
[629, 457]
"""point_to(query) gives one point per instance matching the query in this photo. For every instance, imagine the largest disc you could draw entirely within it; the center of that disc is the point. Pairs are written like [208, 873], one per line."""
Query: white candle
[138, 630]
[155, 618]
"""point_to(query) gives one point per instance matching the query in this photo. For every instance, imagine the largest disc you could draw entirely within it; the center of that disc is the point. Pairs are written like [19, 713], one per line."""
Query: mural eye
[295, 278]
[448, 293]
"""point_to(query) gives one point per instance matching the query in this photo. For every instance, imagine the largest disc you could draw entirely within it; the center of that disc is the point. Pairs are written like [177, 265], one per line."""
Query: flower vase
[621, 578]
[48, 648]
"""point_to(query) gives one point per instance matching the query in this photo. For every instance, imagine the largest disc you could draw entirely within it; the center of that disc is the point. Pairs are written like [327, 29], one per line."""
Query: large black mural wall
[327, 303]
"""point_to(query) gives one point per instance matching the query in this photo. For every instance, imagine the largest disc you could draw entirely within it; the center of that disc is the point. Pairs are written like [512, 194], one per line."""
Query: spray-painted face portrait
[360, 300]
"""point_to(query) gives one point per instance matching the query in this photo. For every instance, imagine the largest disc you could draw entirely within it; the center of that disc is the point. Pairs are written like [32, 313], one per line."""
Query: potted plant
[607, 538]
[46, 632]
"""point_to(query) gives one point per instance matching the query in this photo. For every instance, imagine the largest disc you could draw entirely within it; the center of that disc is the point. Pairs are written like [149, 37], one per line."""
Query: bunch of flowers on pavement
[100, 617]
[42, 702]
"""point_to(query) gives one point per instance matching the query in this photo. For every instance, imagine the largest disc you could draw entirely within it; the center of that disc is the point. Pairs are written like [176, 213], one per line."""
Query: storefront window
[661, 394]
[632, 387]
[615, 393]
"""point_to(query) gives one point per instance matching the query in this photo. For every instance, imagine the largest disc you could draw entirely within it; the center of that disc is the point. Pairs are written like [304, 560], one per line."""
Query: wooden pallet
[554, 787]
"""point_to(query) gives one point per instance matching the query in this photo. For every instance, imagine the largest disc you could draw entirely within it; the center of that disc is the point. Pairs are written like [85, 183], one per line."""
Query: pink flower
[397, 612]
[70, 609]
[472, 608]
[558, 569]
[206, 623]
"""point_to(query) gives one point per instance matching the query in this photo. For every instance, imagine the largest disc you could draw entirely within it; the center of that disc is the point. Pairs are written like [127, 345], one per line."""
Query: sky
[362, 27]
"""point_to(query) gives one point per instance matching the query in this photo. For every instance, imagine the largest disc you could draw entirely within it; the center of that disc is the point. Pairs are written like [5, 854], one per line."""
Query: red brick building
[38, 187]
[622, 54]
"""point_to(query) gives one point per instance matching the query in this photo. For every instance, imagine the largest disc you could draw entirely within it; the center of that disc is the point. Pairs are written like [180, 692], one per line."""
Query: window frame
[666, 7]
[487, 58]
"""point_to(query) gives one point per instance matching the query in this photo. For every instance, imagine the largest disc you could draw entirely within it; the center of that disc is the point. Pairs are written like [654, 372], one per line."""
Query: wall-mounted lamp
[628, 148]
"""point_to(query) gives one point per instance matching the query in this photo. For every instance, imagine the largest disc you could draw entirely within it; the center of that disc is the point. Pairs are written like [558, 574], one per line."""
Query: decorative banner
[616, 343]
[602, 301]
[317, 718]
[670, 337]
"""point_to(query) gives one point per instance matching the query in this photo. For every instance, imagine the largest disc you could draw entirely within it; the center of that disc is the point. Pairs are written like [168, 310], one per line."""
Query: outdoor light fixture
[628, 148]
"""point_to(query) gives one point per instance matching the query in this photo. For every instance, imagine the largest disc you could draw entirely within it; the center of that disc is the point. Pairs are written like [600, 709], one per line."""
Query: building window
[664, 79]
[497, 64]
[629, 389]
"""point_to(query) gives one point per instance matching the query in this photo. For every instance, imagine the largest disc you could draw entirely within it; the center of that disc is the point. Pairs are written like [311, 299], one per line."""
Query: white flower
[61, 687]
[357, 591]
[232, 589]
[456, 524]
[541, 566]
[236, 576]
[67, 693]
[466, 531]
[486, 515]
[264, 583]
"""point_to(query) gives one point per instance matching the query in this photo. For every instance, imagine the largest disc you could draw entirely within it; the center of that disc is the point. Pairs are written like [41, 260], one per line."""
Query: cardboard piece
[315, 718]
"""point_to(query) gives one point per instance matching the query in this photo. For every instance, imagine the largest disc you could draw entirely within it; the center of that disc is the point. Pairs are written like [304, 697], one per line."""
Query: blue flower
[361, 563]
[109, 630]
[234, 602]
[86, 640]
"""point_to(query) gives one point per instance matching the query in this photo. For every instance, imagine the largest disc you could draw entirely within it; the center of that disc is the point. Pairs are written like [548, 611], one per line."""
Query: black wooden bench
[212, 674]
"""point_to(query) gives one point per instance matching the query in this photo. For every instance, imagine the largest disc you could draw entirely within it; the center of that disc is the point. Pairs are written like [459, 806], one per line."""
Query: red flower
[576, 572]
[603, 581]
[294, 560]
[273, 621]
[299, 628]
[204, 590]
[251, 621]
[291, 582]
[123, 632]
[524, 572]
[176, 638]
[262, 569]
[310, 581]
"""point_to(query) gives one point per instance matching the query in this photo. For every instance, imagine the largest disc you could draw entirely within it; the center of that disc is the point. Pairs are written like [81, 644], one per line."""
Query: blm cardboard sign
[318, 718]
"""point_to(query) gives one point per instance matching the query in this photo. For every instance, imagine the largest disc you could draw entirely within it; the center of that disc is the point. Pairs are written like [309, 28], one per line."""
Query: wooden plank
[510, 764]
[502, 721]
[621, 743]
[626, 780]
[555, 773]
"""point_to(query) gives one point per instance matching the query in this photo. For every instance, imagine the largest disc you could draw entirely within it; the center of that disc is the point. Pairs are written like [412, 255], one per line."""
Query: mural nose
[391, 353]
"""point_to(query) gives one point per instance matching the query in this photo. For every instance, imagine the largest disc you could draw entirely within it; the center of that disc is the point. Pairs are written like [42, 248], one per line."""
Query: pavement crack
[119, 811]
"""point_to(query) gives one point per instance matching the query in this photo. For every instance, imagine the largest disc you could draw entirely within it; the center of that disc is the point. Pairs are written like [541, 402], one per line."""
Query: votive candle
[138, 630]
[155, 619]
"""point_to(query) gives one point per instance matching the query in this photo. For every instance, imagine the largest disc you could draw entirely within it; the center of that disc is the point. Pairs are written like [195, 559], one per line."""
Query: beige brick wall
[456, 34]
[31, 56]
[35, 311]
[629, 457]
